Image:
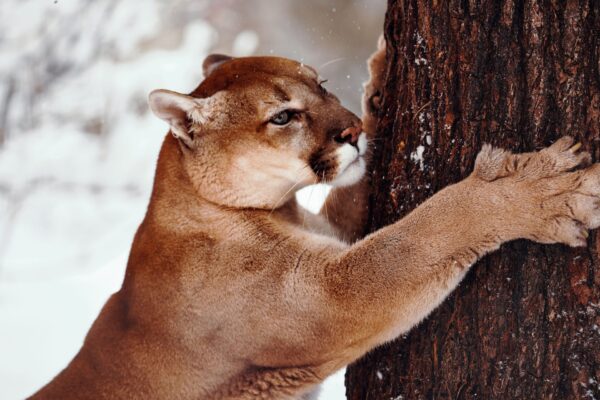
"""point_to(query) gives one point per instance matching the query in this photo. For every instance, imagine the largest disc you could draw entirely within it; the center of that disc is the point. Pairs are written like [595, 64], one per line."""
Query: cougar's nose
[349, 135]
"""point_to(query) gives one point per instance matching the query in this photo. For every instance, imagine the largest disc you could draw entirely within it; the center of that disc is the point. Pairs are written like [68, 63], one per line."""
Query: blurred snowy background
[78, 146]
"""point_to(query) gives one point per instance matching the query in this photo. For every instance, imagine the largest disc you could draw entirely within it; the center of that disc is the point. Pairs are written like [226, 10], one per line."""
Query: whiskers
[325, 204]
[371, 144]
[331, 62]
[312, 189]
[295, 185]
[373, 140]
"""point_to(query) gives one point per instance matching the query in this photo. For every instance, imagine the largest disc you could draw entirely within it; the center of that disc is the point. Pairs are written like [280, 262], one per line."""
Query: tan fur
[371, 100]
[232, 291]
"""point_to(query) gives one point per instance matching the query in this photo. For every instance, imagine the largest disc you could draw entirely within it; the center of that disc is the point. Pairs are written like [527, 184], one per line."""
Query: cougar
[234, 291]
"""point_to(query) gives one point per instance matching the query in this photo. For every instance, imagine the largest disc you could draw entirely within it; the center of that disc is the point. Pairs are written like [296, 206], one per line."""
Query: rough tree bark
[518, 74]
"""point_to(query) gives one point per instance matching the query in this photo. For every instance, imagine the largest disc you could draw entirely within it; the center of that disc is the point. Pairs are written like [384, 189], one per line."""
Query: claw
[575, 147]
[585, 233]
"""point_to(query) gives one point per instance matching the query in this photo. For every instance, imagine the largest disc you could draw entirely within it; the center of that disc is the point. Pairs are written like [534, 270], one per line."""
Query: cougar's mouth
[343, 166]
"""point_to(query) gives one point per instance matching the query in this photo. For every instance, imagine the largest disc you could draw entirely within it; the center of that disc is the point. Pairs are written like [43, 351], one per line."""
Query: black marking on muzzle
[324, 164]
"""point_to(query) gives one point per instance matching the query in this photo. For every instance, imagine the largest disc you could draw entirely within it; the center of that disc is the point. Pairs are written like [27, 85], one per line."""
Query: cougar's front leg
[386, 283]
[346, 207]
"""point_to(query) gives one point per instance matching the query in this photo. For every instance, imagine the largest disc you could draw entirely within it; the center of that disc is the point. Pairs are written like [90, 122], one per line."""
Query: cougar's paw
[562, 156]
[583, 201]
[570, 204]
[550, 196]
[371, 101]
[492, 163]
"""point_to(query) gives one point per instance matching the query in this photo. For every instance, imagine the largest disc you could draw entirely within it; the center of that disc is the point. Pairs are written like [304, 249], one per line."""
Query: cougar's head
[259, 128]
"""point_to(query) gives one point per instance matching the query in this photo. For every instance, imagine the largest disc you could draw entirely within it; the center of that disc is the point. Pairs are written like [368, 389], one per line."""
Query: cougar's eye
[282, 118]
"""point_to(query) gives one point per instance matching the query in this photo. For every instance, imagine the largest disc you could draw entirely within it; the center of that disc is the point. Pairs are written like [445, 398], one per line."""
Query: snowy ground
[44, 320]
[78, 149]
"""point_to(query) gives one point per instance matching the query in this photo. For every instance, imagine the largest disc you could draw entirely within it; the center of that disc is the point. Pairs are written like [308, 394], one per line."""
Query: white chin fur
[362, 144]
[351, 163]
[351, 175]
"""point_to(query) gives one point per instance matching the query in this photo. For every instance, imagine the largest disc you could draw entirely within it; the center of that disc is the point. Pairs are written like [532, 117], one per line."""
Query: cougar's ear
[179, 111]
[212, 62]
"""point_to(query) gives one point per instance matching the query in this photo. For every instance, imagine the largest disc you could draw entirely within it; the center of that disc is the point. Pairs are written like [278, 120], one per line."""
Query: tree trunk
[525, 323]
